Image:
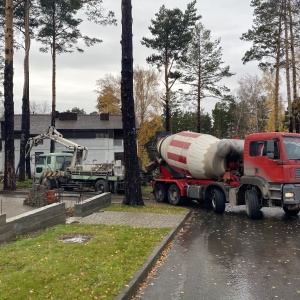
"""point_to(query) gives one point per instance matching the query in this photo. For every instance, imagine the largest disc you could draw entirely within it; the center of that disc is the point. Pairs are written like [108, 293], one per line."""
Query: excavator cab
[51, 162]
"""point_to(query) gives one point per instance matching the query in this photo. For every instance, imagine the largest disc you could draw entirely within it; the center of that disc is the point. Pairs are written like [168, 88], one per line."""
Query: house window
[118, 143]
[119, 156]
[102, 135]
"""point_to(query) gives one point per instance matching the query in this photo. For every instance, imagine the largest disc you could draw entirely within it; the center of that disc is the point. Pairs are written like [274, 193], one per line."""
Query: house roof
[40, 123]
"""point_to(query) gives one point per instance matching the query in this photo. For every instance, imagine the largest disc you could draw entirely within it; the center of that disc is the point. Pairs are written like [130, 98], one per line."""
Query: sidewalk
[11, 204]
[135, 219]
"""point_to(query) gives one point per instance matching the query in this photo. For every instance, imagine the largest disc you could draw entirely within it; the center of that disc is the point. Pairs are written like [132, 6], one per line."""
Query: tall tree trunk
[199, 86]
[199, 105]
[25, 100]
[53, 113]
[167, 100]
[133, 195]
[9, 165]
[287, 66]
[276, 96]
[294, 73]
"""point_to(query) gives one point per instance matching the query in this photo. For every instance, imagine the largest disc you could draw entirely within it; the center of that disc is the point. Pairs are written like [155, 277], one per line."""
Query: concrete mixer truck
[261, 171]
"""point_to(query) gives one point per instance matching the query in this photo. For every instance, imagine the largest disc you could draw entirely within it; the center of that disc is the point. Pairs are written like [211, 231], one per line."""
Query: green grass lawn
[41, 266]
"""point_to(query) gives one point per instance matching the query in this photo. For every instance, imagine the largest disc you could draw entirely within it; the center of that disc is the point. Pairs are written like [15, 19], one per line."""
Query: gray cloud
[77, 73]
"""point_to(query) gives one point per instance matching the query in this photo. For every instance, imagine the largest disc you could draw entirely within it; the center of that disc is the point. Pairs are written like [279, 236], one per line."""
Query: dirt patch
[76, 238]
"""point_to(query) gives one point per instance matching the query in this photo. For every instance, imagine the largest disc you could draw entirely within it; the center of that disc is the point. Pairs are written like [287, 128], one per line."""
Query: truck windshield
[292, 147]
[41, 160]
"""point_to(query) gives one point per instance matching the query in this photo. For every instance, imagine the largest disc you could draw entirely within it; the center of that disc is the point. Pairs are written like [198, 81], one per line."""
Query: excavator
[69, 173]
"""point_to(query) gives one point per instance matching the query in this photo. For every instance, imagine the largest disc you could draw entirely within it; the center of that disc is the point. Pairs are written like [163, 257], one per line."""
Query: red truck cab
[272, 167]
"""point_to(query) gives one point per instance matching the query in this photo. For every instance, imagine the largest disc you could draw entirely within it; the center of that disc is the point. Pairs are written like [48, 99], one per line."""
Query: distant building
[101, 134]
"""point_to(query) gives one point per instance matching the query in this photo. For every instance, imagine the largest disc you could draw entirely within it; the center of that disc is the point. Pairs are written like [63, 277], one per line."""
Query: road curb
[133, 285]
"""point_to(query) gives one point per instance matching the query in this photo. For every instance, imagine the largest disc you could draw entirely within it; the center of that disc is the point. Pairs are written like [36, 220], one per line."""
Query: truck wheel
[217, 201]
[290, 212]
[160, 193]
[174, 195]
[252, 204]
[47, 183]
[100, 186]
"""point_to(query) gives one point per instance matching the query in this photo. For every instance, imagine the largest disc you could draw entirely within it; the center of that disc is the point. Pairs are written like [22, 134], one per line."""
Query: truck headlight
[289, 195]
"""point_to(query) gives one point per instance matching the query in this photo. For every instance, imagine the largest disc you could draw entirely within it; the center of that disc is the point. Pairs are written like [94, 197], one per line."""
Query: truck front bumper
[291, 194]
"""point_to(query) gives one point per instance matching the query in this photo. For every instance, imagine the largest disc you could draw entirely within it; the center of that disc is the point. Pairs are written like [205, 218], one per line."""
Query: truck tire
[174, 196]
[290, 212]
[47, 183]
[252, 204]
[160, 193]
[218, 201]
[100, 186]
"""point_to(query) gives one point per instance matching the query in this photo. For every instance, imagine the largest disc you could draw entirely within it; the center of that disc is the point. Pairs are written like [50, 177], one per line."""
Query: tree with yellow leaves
[268, 84]
[147, 138]
[147, 100]
[109, 94]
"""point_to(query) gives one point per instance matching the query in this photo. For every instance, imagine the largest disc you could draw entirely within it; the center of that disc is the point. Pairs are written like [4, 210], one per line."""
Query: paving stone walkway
[133, 219]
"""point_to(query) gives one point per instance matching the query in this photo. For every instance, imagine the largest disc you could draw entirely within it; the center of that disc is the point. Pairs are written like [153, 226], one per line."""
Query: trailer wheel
[290, 212]
[174, 195]
[217, 201]
[160, 193]
[100, 186]
[252, 204]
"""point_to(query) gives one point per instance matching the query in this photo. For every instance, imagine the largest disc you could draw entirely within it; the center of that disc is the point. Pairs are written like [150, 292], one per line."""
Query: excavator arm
[79, 152]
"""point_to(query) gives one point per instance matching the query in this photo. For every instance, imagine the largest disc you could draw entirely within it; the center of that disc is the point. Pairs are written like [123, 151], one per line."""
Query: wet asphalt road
[230, 257]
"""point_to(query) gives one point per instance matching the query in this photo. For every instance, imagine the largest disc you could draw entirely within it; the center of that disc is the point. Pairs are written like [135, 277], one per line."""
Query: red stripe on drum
[189, 134]
[180, 144]
[176, 157]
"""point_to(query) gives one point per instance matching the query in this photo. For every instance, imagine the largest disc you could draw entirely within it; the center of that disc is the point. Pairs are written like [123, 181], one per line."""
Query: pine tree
[269, 45]
[171, 31]
[59, 31]
[203, 68]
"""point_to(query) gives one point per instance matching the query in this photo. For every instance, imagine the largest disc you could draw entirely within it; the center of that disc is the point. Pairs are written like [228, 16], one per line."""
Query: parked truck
[66, 169]
[261, 171]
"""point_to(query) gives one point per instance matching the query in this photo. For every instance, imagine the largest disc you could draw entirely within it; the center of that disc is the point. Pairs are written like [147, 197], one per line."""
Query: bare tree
[147, 95]
[40, 107]
[251, 112]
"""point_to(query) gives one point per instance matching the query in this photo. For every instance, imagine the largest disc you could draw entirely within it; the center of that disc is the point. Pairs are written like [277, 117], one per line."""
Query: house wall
[100, 150]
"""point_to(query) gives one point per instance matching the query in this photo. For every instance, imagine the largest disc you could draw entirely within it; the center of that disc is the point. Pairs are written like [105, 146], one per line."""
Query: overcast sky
[77, 73]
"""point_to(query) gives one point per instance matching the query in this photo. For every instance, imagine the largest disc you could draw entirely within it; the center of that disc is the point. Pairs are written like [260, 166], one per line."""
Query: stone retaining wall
[92, 205]
[39, 218]
[48, 216]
